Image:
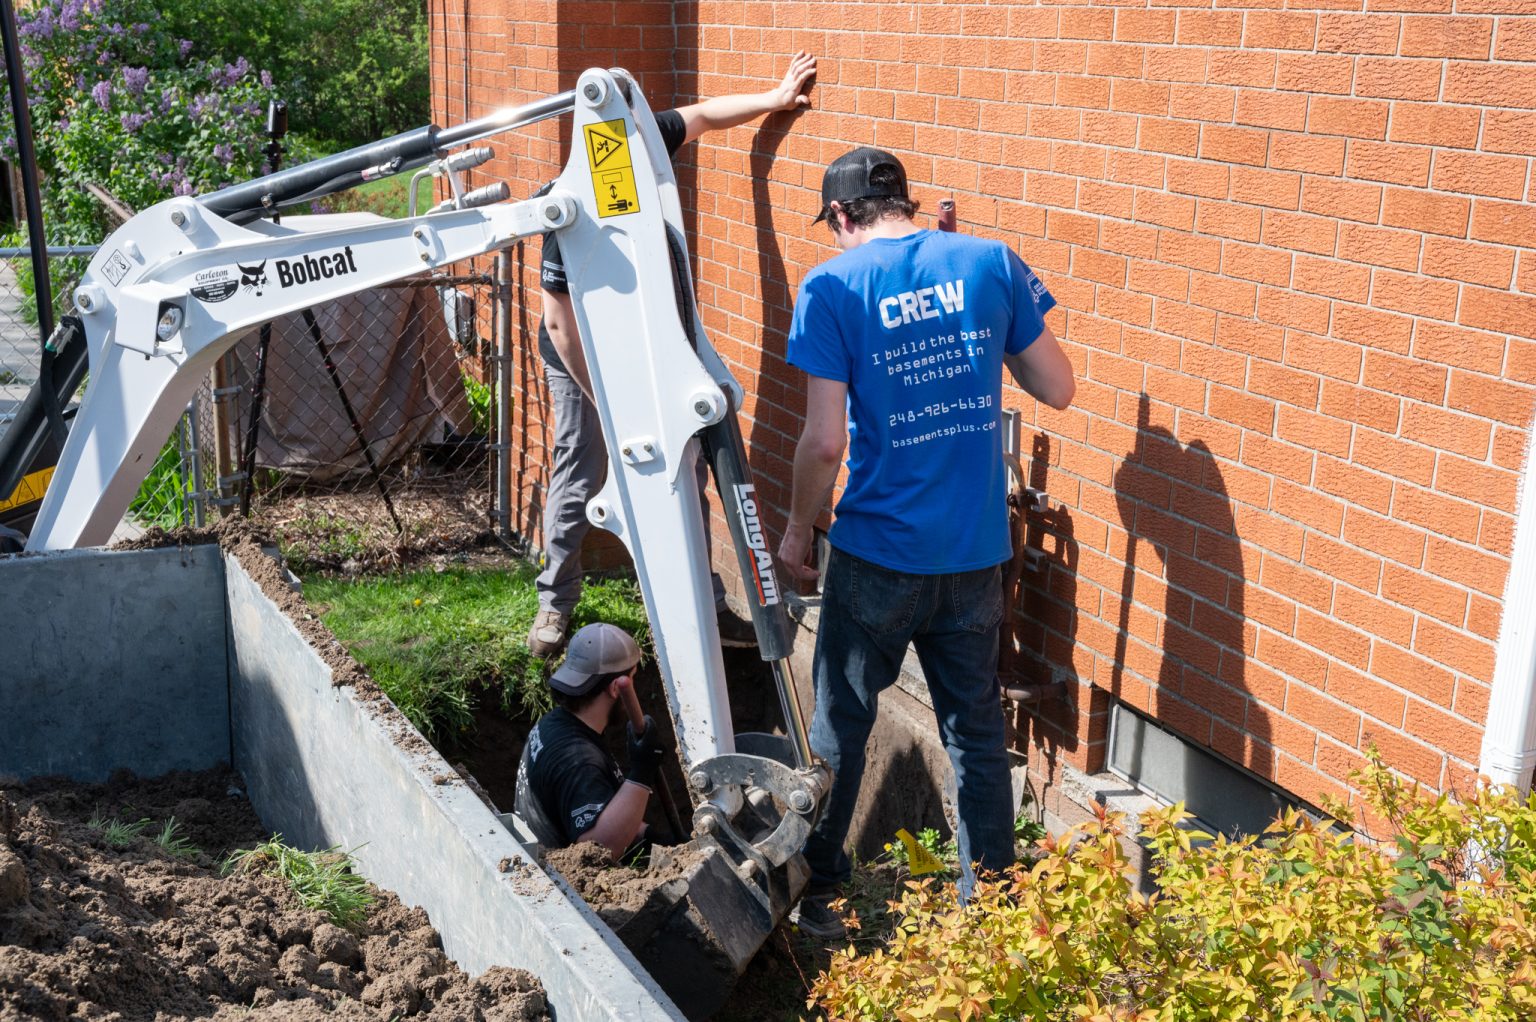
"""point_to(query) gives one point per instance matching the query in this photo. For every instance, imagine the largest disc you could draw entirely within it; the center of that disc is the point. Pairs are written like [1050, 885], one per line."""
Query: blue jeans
[869, 615]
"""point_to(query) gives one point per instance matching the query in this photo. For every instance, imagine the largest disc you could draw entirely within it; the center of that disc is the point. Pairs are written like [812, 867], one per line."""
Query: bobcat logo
[254, 278]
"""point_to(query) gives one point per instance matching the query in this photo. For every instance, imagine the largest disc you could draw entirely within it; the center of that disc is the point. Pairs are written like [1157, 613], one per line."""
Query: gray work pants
[577, 474]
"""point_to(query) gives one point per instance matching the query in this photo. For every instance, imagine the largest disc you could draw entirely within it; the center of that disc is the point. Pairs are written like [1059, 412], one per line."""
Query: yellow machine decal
[31, 488]
[613, 176]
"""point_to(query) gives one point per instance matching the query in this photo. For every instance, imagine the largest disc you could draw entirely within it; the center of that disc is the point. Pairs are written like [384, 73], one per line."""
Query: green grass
[390, 196]
[323, 880]
[174, 843]
[119, 834]
[437, 641]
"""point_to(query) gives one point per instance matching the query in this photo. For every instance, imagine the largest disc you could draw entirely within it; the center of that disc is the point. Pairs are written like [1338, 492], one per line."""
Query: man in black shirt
[569, 788]
[580, 461]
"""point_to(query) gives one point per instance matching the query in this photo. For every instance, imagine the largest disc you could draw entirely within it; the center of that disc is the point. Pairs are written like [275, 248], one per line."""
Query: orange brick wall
[1295, 251]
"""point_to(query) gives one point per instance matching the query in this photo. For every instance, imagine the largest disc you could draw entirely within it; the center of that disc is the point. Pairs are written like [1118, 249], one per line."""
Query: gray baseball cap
[847, 179]
[596, 650]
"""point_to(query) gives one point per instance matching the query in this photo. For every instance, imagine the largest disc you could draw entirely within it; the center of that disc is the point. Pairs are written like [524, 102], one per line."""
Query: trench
[177, 658]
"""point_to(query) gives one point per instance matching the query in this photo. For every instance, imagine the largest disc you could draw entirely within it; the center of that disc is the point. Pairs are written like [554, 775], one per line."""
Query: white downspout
[1509, 741]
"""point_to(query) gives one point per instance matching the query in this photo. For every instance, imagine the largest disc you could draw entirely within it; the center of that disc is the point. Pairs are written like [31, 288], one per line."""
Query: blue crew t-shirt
[917, 328]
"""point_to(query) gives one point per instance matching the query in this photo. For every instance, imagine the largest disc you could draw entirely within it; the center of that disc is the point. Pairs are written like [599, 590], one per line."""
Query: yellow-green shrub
[1435, 921]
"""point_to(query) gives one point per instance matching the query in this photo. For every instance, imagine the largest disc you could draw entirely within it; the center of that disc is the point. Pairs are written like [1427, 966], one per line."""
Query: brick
[1234, 145]
[1373, 328]
[1228, 220]
[1199, 102]
[1414, 674]
[1488, 265]
[1331, 278]
[1510, 131]
[1388, 455]
[1357, 33]
[1481, 484]
[1292, 659]
[1308, 153]
[1380, 246]
[1356, 118]
[1116, 60]
[1142, 169]
[1145, 26]
[1210, 28]
[1342, 561]
[1257, 263]
[1250, 336]
[1317, 73]
[1516, 39]
[1405, 754]
[1265, 109]
[1435, 124]
[1363, 692]
[1108, 129]
[1173, 211]
[1384, 537]
[1316, 354]
[1499, 311]
[1384, 161]
[1222, 294]
[1441, 730]
[1139, 97]
[1279, 30]
[1156, 278]
[1348, 200]
[1357, 404]
[1496, 534]
[1185, 321]
[1319, 433]
[1434, 513]
[1300, 232]
[1461, 565]
[1502, 177]
[1279, 459]
[1181, 138]
[1194, 251]
[1274, 188]
[1506, 223]
[1465, 349]
[1331, 718]
[1445, 430]
[1292, 309]
[1282, 384]
[1484, 617]
[1418, 296]
[1510, 403]
[1395, 78]
[1196, 177]
[1463, 37]
[1411, 378]
[1489, 84]
[1254, 69]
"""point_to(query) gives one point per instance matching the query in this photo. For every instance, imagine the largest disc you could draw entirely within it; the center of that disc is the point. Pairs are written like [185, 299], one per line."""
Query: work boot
[735, 631]
[819, 919]
[548, 632]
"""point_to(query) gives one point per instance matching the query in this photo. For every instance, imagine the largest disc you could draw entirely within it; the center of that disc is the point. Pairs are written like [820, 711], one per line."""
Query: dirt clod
[617, 893]
[134, 932]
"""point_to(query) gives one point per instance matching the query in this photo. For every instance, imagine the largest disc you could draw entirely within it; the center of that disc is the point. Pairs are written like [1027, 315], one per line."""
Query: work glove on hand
[645, 753]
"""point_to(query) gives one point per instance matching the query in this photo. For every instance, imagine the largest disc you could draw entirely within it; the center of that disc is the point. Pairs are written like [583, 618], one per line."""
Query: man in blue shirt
[904, 338]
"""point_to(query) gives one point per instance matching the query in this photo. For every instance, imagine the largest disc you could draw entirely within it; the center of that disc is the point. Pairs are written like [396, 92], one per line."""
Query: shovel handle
[663, 790]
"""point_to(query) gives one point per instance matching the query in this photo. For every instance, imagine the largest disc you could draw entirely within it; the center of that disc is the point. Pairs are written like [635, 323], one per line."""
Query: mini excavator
[177, 285]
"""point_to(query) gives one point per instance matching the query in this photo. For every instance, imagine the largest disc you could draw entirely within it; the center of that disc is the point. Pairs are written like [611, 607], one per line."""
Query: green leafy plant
[1432, 921]
[323, 880]
[479, 395]
[174, 842]
[117, 833]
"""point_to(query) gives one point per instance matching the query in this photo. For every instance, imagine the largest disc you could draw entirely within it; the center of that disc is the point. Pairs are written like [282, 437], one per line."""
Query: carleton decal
[215, 285]
[315, 267]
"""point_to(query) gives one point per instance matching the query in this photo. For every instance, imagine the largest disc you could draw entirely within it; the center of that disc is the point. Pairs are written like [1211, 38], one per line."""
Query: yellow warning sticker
[27, 491]
[919, 859]
[613, 176]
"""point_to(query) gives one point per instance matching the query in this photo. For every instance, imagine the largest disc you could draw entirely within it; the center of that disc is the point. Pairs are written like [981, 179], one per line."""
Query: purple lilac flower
[116, 28]
[183, 187]
[69, 16]
[133, 122]
[185, 45]
[232, 73]
[101, 92]
[266, 79]
[165, 159]
[134, 80]
[63, 123]
[140, 28]
[200, 103]
[224, 152]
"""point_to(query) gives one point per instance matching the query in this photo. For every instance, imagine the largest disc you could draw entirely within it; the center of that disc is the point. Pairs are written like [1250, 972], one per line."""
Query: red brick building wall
[1295, 252]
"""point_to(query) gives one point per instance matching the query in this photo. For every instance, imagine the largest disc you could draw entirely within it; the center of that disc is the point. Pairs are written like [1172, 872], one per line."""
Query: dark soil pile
[618, 893]
[89, 931]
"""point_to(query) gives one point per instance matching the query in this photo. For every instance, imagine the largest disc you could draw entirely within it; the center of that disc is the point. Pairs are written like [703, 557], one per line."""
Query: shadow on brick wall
[1176, 511]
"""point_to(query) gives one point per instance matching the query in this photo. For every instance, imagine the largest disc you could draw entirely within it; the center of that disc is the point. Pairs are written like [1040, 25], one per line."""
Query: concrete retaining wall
[174, 659]
[113, 661]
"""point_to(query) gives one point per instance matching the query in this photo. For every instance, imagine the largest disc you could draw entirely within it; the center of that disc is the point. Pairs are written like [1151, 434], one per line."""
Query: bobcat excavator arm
[176, 286]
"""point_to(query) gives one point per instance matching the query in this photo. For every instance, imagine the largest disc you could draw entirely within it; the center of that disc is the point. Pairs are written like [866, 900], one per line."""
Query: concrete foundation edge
[326, 768]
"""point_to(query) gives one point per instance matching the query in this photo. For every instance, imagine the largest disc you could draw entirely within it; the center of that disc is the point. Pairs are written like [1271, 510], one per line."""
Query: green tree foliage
[120, 102]
[352, 71]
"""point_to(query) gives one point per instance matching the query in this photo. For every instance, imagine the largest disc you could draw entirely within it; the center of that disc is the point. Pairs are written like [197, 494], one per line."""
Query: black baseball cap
[595, 651]
[848, 179]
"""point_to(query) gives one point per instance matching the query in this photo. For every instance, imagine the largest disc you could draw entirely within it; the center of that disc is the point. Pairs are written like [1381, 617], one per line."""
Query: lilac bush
[118, 102]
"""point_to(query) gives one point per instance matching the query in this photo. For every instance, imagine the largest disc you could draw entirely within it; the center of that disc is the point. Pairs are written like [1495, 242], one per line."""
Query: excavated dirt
[88, 931]
[616, 893]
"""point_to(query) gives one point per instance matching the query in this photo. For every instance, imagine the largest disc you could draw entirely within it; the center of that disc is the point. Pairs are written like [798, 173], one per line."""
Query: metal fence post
[501, 305]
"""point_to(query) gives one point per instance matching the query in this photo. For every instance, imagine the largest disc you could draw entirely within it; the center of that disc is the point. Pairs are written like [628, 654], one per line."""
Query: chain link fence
[359, 433]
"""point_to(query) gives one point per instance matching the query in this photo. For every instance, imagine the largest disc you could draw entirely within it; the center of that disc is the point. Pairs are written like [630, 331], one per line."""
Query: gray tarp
[398, 365]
